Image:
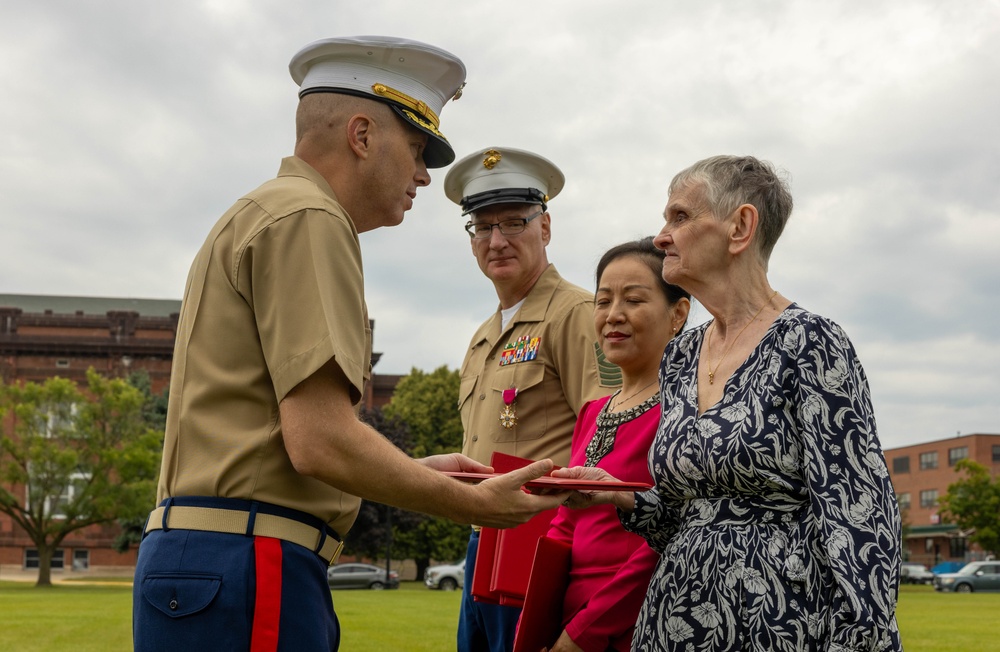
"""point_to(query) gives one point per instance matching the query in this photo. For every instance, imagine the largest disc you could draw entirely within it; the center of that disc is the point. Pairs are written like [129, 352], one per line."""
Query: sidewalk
[100, 576]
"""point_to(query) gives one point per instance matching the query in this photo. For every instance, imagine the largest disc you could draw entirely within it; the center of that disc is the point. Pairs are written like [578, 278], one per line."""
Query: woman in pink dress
[635, 314]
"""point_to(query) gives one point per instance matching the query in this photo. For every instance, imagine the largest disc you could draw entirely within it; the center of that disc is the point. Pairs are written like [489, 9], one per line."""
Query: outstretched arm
[325, 440]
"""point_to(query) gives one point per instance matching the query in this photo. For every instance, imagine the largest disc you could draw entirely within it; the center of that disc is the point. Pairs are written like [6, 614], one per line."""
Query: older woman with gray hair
[772, 511]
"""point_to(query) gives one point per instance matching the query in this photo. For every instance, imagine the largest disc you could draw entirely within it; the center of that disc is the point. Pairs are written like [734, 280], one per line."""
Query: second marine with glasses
[535, 361]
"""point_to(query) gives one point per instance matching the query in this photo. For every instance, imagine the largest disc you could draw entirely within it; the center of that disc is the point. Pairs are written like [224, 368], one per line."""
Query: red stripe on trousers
[267, 606]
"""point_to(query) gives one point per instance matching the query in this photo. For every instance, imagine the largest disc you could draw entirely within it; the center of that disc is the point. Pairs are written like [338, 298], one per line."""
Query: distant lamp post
[388, 542]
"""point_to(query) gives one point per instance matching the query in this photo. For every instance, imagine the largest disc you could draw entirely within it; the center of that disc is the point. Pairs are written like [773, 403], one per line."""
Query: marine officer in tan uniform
[533, 364]
[265, 460]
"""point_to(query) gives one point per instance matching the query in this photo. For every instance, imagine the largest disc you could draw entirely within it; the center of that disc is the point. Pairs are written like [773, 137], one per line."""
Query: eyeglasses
[483, 230]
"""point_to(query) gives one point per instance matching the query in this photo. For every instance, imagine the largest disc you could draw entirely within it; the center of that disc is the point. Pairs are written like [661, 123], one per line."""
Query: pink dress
[610, 568]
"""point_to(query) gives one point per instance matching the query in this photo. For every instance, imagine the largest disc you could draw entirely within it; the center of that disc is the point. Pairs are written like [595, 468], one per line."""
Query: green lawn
[948, 622]
[82, 618]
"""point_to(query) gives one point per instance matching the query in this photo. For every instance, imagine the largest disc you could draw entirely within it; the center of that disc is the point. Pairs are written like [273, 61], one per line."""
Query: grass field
[84, 618]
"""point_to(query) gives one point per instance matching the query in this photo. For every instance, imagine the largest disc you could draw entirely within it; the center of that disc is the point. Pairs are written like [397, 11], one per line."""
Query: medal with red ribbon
[508, 417]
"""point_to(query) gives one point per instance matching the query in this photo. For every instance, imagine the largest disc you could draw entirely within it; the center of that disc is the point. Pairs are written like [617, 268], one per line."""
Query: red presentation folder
[557, 484]
[504, 463]
[514, 553]
[503, 561]
[482, 575]
[541, 619]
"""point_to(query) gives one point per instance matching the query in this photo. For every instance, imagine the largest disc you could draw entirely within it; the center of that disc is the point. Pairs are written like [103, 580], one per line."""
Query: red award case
[503, 561]
[541, 618]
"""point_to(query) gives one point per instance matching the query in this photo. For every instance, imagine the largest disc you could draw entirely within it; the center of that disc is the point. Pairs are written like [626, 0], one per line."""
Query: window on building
[62, 420]
[928, 498]
[928, 460]
[904, 500]
[31, 558]
[901, 464]
[55, 506]
[62, 364]
[996, 453]
[956, 454]
[75, 487]
[81, 560]
[957, 547]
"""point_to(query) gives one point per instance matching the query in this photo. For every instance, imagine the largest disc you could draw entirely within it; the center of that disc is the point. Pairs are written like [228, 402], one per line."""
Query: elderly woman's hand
[623, 500]
[564, 644]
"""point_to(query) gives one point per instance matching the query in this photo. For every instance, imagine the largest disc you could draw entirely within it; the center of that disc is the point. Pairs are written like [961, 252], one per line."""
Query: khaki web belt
[232, 521]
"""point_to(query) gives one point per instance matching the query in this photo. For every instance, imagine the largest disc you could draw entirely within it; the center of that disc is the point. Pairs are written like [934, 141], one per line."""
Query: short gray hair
[731, 181]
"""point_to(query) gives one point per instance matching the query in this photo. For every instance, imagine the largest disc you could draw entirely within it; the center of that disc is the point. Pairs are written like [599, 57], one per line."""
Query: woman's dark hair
[647, 252]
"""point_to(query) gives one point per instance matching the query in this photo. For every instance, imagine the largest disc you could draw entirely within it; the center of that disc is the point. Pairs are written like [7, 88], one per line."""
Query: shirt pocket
[466, 389]
[529, 405]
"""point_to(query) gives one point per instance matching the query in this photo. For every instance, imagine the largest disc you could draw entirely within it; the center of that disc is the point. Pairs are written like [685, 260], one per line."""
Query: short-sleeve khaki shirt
[549, 354]
[276, 291]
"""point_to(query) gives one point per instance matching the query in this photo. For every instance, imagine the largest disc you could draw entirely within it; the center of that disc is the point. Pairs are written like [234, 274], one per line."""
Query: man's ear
[743, 227]
[546, 220]
[360, 129]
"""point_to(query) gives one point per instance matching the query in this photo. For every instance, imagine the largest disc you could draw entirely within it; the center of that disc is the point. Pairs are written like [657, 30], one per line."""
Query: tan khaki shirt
[553, 361]
[274, 293]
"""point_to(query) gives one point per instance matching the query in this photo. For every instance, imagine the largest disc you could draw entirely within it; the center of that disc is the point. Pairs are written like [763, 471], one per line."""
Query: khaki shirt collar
[293, 166]
[535, 305]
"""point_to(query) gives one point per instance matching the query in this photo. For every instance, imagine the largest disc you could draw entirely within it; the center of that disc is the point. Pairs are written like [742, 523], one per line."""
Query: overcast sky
[128, 127]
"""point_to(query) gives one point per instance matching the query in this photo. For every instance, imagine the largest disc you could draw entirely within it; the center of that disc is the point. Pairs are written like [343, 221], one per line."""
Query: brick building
[46, 336]
[920, 475]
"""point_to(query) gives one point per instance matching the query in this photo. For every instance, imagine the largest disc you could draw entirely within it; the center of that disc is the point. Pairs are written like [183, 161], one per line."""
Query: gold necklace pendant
[711, 372]
[631, 396]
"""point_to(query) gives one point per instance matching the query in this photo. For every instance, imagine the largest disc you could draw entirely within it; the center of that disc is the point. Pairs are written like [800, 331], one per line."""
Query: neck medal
[508, 417]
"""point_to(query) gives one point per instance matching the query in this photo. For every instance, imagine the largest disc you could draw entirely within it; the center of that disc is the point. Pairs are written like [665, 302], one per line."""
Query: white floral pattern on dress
[773, 512]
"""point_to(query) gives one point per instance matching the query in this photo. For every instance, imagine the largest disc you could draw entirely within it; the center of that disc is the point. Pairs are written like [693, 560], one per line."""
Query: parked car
[948, 567]
[914, 573]
[446, 577]
[974, 576]
[361, 576]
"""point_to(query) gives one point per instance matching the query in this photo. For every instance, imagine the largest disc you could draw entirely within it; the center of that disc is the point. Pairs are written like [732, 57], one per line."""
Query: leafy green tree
[154, 411]
[374, 530]
[973, 503]
[70, 459]
[433, 539]
[428, 404]
[154, 407]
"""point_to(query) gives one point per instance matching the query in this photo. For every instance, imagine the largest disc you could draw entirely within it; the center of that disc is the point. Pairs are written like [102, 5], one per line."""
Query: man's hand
[506, 504]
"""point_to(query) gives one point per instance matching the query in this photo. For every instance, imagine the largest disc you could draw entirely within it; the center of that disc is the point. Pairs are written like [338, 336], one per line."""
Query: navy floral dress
[773, 512]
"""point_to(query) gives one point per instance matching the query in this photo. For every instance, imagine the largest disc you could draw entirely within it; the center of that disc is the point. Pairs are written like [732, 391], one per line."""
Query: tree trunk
[422, 564]
[44, 565]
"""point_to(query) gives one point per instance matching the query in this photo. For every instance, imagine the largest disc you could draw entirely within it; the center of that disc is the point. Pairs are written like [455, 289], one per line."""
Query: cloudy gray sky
[127, 127]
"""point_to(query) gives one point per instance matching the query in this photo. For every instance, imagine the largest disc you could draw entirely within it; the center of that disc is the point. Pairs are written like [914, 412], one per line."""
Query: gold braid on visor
[418, 110]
